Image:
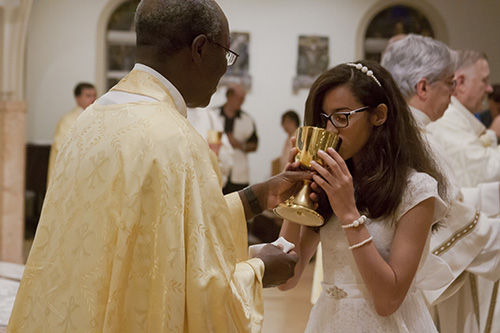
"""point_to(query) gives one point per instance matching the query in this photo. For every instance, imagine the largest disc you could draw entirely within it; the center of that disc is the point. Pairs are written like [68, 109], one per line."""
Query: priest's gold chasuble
[135, 233]
[62, 129]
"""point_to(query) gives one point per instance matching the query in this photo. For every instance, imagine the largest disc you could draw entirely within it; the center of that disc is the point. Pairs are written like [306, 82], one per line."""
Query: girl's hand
[336, 181]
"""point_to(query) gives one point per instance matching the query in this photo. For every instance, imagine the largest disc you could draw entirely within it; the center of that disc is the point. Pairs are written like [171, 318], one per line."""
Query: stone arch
[101, 47]
[429, 11]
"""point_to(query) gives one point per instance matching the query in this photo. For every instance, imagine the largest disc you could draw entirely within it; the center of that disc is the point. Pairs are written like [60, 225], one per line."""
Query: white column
[14, 16]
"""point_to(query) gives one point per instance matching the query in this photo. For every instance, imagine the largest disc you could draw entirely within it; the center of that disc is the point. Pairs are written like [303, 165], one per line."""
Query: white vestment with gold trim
[469, 243]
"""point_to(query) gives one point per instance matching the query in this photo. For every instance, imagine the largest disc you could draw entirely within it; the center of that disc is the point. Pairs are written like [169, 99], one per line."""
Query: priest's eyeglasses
[339, 119]
[231, 56]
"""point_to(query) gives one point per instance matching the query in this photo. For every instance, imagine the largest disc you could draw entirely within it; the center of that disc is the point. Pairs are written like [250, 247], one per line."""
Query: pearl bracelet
[369, 239]
[355, 223]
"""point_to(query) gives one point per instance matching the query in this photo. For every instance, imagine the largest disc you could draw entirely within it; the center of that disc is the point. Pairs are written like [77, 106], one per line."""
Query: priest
[135, 233]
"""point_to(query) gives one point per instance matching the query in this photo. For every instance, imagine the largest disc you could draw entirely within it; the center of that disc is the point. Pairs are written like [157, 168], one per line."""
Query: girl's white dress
[345, 304]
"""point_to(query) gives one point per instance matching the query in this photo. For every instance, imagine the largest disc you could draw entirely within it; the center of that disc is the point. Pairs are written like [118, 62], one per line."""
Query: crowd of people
[144, 225]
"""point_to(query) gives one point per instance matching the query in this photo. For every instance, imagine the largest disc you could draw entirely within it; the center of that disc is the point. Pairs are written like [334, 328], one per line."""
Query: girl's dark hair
[393, 149]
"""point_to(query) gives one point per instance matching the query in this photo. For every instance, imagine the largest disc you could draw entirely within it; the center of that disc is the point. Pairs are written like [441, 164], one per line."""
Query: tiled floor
[283, 311]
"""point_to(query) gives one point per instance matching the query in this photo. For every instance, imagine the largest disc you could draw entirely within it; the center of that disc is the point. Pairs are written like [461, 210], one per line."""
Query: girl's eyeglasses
[339, 119]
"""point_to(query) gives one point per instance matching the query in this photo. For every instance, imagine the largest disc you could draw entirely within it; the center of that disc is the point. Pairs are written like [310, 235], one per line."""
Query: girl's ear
[379, 116]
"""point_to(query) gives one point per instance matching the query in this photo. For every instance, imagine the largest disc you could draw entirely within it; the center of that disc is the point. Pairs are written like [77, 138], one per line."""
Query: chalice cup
[214, 137]
[299, 208]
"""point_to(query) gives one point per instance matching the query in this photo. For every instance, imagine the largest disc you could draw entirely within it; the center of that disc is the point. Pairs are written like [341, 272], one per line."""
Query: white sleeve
[487, 262]
[485, 198]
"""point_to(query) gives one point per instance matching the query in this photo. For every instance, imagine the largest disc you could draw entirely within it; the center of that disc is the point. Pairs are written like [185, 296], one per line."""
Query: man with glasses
[468, 240]
[231, 56]
[135, 233]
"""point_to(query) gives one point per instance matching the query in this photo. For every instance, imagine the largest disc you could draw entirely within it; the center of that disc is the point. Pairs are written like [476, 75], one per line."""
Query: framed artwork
[313, 59]
[239, 71]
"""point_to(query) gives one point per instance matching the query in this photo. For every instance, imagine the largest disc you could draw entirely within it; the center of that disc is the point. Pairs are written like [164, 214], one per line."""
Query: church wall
[63, 38]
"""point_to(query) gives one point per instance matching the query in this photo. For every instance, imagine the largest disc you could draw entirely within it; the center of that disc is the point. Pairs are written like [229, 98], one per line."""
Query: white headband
[365, 70]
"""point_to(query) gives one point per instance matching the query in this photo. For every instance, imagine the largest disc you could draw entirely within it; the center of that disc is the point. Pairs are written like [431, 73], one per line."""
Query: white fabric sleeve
[487, 262]
[493, 137]
[420, 187]
[485, 198]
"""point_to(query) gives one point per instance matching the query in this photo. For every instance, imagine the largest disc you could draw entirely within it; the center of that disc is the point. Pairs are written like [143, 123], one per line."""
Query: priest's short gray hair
[173, 24]
[415, 57]
[467, 58]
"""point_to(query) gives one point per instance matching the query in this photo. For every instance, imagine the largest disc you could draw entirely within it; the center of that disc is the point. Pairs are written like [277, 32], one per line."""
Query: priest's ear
[199, 47]
[422, 88]
[460, 79]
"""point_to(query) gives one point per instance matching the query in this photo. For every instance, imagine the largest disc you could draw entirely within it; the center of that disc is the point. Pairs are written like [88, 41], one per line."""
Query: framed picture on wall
[313, 59]
[239, 71]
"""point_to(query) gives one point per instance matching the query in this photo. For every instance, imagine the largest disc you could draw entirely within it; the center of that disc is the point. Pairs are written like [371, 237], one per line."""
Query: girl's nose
[331, 128]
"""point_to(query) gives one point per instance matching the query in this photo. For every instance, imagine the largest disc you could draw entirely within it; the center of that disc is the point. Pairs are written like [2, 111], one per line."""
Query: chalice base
[299, 214]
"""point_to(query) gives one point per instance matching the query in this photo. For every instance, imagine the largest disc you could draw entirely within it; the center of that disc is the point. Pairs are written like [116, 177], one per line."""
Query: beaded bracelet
[369, 239]
[355, 223]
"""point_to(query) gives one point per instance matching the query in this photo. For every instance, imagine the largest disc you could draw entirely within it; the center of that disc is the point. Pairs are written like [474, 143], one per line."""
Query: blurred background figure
[290, 121]
[85, 94]
[241, 132]
[211, 129]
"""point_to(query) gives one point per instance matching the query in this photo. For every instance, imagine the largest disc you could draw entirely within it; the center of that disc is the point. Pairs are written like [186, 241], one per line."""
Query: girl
[384, 190]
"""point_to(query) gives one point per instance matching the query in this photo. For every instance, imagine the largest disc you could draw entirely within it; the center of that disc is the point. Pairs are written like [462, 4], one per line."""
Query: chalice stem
[303, 196]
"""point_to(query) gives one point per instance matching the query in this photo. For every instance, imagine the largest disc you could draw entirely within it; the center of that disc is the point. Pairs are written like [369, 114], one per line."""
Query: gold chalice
[214, 137]
[299, 208]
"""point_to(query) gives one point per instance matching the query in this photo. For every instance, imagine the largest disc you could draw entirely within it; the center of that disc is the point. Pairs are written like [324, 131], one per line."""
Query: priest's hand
[280, 187]
[280, 266]
[269, 194]
[277, 189]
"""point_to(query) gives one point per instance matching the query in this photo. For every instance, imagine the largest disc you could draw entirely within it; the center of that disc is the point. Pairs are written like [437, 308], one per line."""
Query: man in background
[242, 134]
[210, 127]
[85, 94]
[473, 150]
